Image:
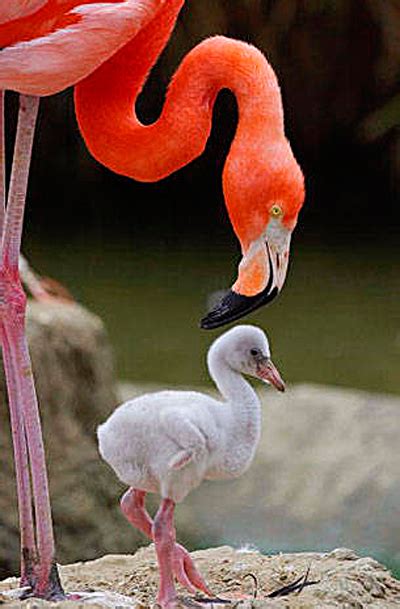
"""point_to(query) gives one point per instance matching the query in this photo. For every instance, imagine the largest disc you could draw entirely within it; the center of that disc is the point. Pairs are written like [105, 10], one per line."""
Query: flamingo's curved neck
[242, 416]
[105, 101]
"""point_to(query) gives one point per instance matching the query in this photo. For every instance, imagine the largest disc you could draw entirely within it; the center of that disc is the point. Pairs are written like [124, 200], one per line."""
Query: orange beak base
[234, 306]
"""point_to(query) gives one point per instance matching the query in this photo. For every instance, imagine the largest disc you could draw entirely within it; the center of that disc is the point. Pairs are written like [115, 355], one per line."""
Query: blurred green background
[336, 321]
[147, 256]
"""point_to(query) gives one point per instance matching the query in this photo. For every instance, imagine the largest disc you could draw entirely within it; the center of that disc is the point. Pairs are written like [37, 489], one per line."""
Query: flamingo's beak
[267, 371]
[233, 306]
[262, 273]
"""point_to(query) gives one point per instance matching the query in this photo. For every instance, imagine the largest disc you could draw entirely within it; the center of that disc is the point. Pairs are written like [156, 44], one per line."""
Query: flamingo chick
[168, 442]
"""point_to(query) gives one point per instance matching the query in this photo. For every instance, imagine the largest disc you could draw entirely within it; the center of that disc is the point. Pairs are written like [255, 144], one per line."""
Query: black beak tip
[206, 323]
[233, 306]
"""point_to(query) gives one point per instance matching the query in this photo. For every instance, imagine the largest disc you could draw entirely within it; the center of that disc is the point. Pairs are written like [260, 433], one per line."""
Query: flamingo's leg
[13, 305]
[133, 508]
[186, 572]
[2, 165]
[164, 540]
[47, 583]
[28, 544]
[27, 541]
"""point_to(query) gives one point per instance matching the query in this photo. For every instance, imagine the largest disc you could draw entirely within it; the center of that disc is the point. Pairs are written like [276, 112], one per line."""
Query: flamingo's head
[264, 194]
[246, 349]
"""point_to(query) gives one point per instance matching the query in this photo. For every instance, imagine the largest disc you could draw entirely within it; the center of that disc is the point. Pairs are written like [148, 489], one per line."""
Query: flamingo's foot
[186, 572]
[28, 568]
[167, 601]
[49, 589]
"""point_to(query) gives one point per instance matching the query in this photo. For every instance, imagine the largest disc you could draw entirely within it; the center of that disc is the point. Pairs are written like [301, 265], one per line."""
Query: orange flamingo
[47, 45]
[263, 184]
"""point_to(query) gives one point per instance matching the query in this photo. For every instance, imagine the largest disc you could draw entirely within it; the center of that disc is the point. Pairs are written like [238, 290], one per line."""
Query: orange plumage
[108, 50]
[260, 169]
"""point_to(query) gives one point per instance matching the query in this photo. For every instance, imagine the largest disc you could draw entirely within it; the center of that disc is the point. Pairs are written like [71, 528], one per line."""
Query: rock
[341, 580]
[73, 368]
[326, 473]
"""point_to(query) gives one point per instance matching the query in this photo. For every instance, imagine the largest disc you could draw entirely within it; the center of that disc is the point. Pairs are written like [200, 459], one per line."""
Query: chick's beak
[267, 371]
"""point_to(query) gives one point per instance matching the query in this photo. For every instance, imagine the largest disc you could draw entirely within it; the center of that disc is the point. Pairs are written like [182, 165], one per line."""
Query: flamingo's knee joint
[12, 295]
[163, 532]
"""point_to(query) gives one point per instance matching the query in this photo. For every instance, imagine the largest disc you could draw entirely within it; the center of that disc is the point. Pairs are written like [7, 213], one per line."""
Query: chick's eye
[254, 352]
[276, 211]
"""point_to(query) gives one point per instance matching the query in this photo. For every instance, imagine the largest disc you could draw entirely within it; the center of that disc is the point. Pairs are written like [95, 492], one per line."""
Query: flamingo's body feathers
[168, 442]
[181, 459]
[165, 420]
[49, 46]
[10, 11]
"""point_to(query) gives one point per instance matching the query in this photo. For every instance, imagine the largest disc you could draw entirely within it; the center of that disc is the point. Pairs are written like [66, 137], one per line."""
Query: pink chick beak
[266, 371]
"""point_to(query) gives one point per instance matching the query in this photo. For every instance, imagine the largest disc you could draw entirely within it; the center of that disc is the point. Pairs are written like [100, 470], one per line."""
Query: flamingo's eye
[276, 211]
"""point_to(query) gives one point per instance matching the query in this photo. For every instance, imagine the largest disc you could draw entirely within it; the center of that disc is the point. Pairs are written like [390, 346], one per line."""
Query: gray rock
[73, 368]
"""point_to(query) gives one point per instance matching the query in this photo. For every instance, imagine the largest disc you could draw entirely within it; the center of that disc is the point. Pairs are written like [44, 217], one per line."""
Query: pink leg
[186, 572]
[164, 540]
[2, 165]
[28, 545]
[46, 584]
[133, 508]
[19, 180]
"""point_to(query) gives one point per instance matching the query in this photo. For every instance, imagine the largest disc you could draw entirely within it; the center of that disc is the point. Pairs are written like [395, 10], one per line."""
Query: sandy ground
[345, 580]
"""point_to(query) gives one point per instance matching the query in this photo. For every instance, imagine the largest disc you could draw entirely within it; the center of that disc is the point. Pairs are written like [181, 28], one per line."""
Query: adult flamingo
[46, 45]
[50, 44]
[263, 184]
